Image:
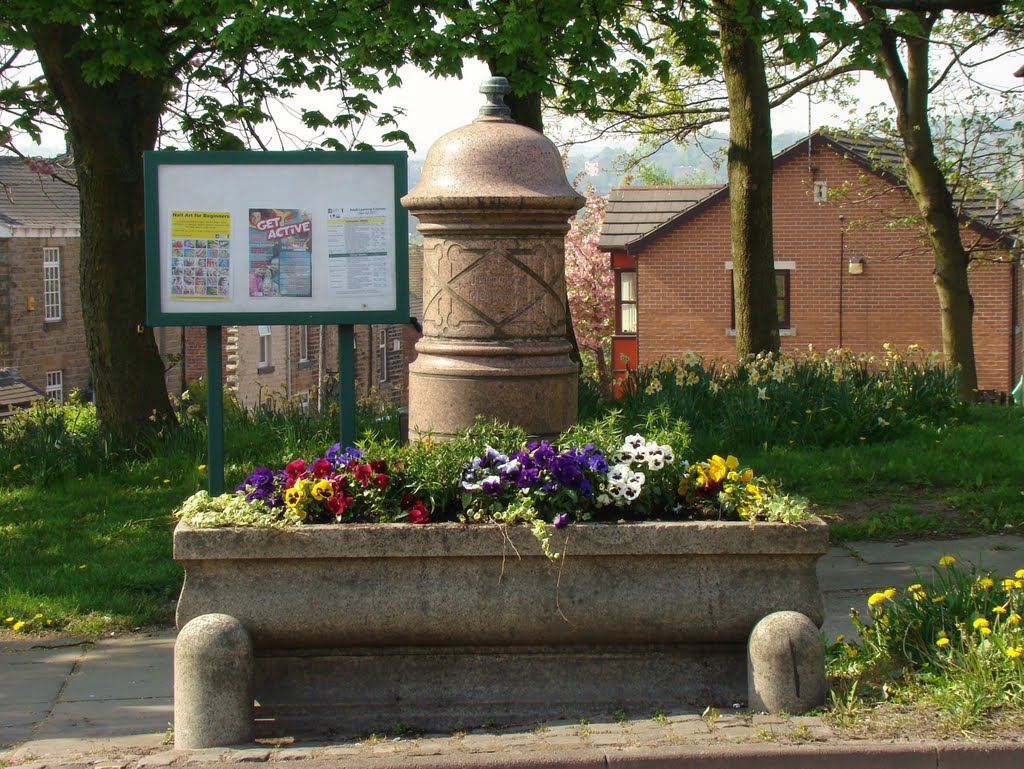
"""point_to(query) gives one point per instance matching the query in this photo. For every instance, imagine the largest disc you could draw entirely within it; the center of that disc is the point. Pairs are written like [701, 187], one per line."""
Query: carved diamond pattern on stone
[523, 289]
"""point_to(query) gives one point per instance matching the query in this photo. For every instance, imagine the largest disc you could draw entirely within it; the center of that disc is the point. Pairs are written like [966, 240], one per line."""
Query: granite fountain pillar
[494, 206]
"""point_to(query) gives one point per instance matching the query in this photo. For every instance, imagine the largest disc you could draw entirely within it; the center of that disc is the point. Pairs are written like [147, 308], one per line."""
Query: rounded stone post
[786, 664]
[213, 682]
[494, 207]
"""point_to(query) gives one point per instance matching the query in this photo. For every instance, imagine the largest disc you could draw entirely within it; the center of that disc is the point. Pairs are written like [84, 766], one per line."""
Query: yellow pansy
[293, 496]
[322, 490]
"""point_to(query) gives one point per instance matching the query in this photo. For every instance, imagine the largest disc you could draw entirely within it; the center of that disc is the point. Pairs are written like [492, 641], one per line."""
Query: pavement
[108, 704]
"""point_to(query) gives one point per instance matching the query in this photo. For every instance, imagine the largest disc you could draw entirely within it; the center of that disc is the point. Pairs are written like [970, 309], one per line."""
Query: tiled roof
[28, 199]
[634, 212]
[637, 215]
[15, 391]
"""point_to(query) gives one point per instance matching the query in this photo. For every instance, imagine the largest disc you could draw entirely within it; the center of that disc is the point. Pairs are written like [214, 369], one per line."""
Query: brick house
[853, 268]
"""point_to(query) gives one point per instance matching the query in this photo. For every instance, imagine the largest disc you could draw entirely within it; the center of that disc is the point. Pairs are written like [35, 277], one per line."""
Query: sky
[436, 106]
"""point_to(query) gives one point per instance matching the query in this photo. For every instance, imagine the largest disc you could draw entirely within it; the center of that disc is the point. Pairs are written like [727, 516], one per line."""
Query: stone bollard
[213, 683]
[785, 664]
[494, 206]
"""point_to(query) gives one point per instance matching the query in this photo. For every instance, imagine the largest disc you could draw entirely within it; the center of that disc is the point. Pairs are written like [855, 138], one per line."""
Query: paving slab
[125, 668]
[32, 681]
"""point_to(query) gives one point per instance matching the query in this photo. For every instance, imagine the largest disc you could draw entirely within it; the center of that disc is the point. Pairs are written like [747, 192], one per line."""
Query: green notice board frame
[271, 238]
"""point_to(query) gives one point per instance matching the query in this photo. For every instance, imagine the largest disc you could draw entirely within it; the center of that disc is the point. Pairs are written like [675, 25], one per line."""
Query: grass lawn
[93, 553]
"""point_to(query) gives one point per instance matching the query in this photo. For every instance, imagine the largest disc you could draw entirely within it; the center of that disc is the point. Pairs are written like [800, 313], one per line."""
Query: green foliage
[955, 640]
[807, 400]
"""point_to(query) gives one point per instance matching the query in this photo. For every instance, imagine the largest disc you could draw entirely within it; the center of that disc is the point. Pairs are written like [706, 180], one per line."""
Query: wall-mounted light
[855, 266]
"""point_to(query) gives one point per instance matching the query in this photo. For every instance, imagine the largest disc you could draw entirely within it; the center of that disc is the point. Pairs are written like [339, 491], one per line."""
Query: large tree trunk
[909, 88]
[750, 180]
[110, 126]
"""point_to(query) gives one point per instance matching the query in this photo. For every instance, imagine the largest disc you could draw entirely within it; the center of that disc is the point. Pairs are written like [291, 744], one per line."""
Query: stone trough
[352, 628]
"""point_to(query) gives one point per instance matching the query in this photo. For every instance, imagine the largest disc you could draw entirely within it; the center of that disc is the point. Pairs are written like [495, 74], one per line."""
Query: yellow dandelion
[17, 467]
[1019, 574]
[947, 560]
[852, 651]
[876, 598]
[200, 467]
[939, 599]
[166, 481]
[1013, 619]
[1008, 584]
[38, 616]
[83, 566]
[839, 638]
[18, 625]
[890, 592]
[942, 642]
[985, 582]
[999, 610]
[1014, 652]
[979, 623]
[9, 619]
[985, 630]
[915, 586]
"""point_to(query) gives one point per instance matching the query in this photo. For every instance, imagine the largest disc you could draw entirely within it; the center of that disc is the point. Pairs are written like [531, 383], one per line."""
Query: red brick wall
[27, 342]
[684, 288]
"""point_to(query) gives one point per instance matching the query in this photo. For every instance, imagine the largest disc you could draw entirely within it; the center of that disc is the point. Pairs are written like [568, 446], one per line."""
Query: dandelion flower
[890, 592]
[18, 625]
[947, 560]
[942, 642]
[939, 599]
[876, 598]
[980, 623]
[1019, 574]
[17, 467]
[201, 467]
[38, 616]
[999, 610]
[83, 566]
[9, 619]
[985, 582]
[166, 481]
[1013, 619]
[985, 630]
[1014, 652]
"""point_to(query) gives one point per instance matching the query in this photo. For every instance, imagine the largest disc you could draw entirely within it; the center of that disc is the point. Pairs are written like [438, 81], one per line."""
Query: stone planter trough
[356, 627]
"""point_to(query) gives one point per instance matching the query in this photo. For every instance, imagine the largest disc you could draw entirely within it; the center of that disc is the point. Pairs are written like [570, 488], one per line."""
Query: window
[264, 347]
[303, 344]
[625, 290]
[781, 298]
[821, 192]
[382, 350]
[51, 285]
[55, 385]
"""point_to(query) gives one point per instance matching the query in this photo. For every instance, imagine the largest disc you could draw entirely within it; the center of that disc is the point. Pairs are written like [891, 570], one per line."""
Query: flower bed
[443, 624]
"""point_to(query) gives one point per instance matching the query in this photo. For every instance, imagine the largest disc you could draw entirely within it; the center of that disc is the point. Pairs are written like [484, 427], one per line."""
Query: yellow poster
[200, 263]
[208, 225]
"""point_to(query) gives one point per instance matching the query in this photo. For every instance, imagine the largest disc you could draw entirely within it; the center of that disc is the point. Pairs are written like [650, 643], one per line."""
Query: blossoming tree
[590, 285]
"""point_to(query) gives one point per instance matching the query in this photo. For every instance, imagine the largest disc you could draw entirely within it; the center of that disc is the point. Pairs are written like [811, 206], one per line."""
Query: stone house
[42, 341]
[853, 267]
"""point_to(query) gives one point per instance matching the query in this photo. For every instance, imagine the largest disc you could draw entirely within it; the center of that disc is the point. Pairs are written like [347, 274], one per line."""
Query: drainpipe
[288, 363]
[320, 370]
[842, 271]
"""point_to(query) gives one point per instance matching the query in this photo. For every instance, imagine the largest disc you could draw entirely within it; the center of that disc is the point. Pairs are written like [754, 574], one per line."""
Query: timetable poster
[280, 252]
[200, 263]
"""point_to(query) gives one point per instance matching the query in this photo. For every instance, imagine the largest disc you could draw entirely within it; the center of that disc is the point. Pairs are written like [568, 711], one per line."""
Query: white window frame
[303, 344]
[52, 305]
[382, 348]
[264, 347]
[780, 266]
[55, 385]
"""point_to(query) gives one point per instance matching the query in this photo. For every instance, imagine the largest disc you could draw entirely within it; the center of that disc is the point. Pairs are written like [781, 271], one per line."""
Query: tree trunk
[750, 180]
[110, 126]
[909, 88]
